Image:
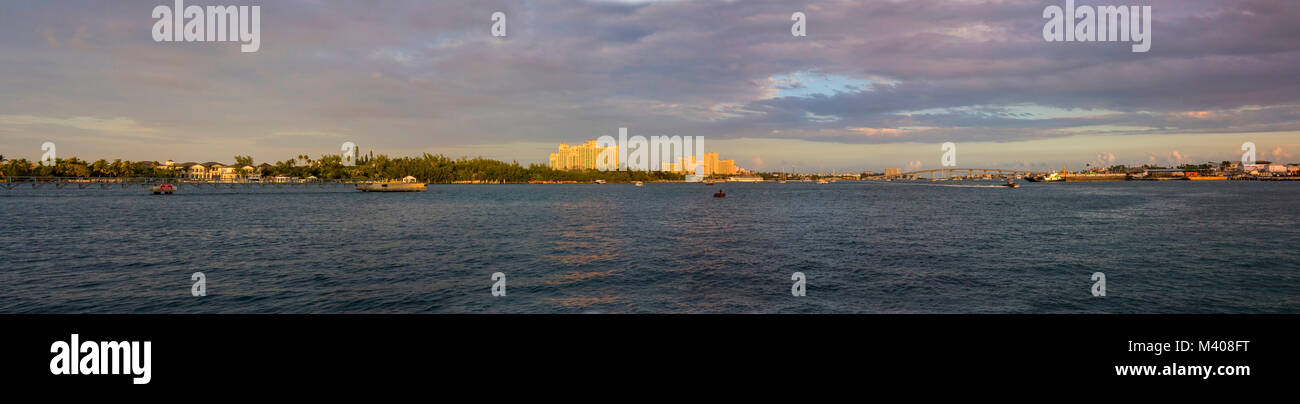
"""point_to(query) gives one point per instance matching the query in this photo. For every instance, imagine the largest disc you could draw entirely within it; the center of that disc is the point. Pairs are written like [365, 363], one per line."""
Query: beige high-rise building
[582, 157]
[710, 163]
[726, 167]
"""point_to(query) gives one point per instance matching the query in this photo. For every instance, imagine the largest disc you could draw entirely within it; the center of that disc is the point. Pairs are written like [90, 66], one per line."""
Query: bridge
[9, 183]
[950, 172]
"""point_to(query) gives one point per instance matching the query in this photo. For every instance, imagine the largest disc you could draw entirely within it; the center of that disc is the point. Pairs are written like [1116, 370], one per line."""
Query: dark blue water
[1174, 247]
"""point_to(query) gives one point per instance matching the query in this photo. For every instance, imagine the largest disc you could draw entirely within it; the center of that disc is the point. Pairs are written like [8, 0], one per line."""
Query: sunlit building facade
[582, 156]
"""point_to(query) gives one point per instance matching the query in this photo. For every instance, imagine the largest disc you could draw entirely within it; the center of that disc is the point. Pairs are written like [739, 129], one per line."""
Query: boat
[719, 194]
[640, 184]
[600, 181]
[164, 189]
[1011, 184]
[745, 178]
[822, 182]
[1053, 177]
[708, 183]
[408, 184]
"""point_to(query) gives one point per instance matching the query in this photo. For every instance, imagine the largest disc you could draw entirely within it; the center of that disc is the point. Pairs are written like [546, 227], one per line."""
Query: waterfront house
[196, 171]
[212, 171]
[247, 172]
[218, 171]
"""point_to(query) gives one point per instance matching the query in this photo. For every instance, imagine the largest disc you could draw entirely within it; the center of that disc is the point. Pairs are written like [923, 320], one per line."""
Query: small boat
[1011, 184]
[708, 183]
[1053, 177]
[404, 186]
[600, 181]
[822, 182]
[640, 184]
[164, 189]
[719, 194]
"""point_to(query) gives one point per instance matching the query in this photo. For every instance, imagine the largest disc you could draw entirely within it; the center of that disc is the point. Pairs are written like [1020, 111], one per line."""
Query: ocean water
[864, 247]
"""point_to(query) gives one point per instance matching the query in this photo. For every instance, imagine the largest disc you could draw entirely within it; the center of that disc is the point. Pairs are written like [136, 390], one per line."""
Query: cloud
[1104, 160]
[422, 75]
[1176, 158]
[113, 126]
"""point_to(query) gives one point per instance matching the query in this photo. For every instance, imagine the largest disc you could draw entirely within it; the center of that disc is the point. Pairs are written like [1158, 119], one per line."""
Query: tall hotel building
[582, 156]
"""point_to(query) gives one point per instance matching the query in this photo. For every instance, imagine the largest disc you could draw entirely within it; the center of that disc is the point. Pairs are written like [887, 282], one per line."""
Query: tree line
[426, 168]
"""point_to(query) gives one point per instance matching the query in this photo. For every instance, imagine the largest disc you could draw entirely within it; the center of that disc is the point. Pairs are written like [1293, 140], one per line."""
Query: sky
[874, 84]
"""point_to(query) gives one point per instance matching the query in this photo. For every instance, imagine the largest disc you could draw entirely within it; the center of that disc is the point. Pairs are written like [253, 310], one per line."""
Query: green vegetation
[428, 168]
[442, 169]
[74, 167]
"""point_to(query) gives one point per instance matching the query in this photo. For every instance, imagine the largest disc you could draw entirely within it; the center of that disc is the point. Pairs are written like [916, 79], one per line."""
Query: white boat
[640, 184]
[745, 178]
[408, 184]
